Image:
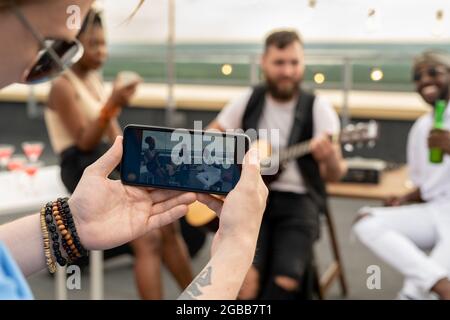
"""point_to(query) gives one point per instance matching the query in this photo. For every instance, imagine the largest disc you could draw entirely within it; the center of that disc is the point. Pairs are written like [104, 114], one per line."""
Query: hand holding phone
[181, 159]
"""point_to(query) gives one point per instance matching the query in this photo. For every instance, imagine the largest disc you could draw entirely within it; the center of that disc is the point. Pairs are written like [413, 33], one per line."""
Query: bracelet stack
[60, 235]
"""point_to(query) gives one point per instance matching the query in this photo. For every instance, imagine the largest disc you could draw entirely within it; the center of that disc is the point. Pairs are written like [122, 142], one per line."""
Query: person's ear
[264, 61]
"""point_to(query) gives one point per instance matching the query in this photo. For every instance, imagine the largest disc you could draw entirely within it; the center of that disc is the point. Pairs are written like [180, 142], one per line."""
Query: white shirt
[432, 179]
[280, 115]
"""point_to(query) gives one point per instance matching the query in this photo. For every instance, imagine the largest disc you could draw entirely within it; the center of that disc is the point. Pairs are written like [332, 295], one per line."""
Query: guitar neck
[299, 150]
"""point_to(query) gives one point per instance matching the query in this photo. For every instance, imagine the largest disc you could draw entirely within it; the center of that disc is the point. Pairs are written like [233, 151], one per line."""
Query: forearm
[94, 131]
[223, 276]
[23, 238]
[114, 130]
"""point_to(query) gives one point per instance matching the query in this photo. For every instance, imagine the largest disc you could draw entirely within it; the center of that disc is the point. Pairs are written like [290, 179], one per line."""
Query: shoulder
[322, 107]
[242, 99]
[322, 103]
[61, 89]
[62, 83]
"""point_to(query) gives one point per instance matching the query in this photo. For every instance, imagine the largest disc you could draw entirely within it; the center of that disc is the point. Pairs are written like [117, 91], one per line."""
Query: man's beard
[282, 94]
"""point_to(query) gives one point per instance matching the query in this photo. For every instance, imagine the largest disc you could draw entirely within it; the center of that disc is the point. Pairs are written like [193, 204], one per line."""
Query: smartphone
[182, 159]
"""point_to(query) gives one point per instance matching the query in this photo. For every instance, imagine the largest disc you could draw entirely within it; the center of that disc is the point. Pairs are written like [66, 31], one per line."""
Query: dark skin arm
[87, 133]
[113, 130]
[411, 197]
[438, 138]
[64, 100]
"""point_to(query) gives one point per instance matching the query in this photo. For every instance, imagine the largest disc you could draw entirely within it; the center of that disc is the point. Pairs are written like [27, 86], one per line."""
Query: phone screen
[181, 159]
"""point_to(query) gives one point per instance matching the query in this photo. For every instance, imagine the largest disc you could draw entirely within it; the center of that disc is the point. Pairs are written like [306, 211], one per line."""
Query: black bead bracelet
[54, 234]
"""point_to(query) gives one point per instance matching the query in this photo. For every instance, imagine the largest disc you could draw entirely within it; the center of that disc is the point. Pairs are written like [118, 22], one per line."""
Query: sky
[251, 20]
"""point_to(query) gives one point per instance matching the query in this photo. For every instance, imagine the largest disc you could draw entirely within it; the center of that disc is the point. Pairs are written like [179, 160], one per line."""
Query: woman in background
[82, 124]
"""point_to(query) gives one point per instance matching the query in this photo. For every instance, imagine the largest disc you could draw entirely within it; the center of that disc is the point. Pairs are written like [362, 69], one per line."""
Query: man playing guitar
[291, 221]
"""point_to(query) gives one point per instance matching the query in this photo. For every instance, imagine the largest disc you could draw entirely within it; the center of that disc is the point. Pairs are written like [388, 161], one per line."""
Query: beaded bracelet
[49, 213]
[56, 220]
[67, 240]
[71, 225]
[48, 255]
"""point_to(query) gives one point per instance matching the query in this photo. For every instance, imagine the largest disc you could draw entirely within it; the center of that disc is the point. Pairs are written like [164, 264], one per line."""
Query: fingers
[436, 141]
[321, 147]
[250, 166]
[167, 217]
[251, 175]
[211, 202]
[184, 198]
[160, 195]
[109, 161]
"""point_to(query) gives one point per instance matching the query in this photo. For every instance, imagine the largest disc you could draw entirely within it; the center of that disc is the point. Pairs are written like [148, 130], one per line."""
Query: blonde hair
[131, 16]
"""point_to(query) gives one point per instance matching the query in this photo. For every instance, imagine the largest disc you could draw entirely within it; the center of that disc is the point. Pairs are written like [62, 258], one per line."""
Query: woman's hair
[141, 2]
[151, 142]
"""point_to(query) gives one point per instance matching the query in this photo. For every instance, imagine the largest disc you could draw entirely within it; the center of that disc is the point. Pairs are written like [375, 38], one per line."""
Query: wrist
[112, 104]
[242, 246]
[75, 210]
[107, 113]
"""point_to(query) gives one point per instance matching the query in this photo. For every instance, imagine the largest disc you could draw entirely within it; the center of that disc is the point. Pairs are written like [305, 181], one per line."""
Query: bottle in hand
[436, 154]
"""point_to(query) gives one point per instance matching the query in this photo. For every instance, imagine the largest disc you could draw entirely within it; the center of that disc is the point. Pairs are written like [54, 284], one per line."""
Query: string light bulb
[373, 20]
[376, 74]
[438, 28]
[312, 3]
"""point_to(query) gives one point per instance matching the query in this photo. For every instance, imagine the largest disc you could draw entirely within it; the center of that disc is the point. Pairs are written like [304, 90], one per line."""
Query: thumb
[109, 161]
[251, 166]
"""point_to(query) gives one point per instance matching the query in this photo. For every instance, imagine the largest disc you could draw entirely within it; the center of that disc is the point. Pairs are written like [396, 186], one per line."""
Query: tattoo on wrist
[193, 291]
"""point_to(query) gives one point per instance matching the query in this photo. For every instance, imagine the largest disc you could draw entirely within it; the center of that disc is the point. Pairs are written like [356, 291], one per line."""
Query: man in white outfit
[402, 233]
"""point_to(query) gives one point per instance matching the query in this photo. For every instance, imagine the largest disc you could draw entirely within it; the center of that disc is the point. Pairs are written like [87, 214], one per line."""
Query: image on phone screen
[199, 161]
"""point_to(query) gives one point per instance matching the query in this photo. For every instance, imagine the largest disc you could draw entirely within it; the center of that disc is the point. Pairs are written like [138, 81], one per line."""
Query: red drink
[15, 165]
[30, 170]
[6, 152]
[33, 150]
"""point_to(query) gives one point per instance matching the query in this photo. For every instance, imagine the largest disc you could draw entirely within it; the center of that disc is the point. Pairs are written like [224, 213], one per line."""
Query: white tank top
[60, 137]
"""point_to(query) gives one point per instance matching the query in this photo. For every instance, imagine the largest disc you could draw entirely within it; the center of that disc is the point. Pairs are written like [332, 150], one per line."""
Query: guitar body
[200, 216]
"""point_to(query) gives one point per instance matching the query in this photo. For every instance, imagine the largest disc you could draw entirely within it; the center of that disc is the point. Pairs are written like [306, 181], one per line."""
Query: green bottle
[436, 154]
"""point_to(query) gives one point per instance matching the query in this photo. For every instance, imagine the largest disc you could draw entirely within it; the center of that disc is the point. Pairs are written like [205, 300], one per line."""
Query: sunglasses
[432, 72]
[54, 56]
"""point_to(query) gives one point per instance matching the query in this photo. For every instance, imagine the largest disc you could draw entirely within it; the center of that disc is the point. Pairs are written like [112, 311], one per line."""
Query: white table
[17, 196]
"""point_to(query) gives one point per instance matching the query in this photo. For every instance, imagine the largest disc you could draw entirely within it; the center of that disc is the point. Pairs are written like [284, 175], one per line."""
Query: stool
[335, 270]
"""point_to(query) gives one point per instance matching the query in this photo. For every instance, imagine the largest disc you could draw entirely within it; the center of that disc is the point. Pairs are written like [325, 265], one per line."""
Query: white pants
[398, 235]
